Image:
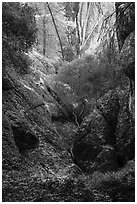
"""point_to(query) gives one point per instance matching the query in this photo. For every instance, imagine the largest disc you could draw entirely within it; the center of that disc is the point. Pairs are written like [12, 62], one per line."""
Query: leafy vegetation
[19, 34]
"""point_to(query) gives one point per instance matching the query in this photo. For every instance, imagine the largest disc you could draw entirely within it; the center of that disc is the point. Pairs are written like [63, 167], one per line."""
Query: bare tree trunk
[76, 10]
[44, 36]
[79, 41]
[53, 20]
[86, 21]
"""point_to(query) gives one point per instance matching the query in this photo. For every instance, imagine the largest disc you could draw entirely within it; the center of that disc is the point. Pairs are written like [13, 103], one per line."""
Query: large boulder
[90, 139]
[111, 124]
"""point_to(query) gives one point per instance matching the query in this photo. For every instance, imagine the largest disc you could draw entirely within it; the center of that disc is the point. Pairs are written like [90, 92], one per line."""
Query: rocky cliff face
[36, 163]
[52, 160]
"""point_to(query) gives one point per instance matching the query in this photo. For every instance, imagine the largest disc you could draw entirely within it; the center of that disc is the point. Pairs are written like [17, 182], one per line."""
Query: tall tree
[56, 30]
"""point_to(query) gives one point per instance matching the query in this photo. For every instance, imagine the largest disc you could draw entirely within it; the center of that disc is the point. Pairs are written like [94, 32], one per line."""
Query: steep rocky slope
[36, 163]
[48, 157]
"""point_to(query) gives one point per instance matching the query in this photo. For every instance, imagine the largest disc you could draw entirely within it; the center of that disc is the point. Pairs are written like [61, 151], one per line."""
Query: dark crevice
[24, 140]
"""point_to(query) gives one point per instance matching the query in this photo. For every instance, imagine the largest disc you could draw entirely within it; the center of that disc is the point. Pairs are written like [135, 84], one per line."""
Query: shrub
[87, 76]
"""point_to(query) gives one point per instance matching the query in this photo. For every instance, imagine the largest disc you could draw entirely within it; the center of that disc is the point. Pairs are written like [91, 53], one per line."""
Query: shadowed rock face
[6, 83]
[110, 125]
[105, 161]
[90, 138]
[127, 56]
[109, 107]
[125, 131]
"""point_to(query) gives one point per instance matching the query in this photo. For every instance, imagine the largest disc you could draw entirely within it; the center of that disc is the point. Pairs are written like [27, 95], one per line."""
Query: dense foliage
[87, 76]
[19, 33]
